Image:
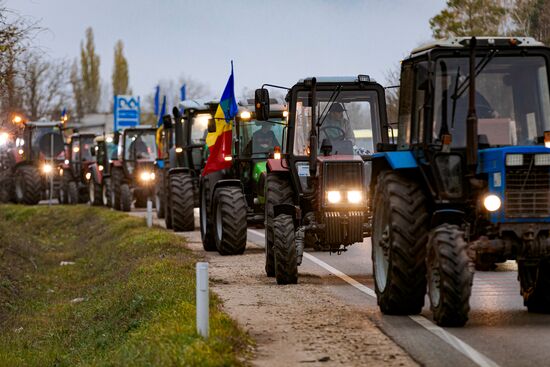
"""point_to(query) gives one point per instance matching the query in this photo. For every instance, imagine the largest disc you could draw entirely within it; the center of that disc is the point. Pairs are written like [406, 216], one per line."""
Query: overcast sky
[277, 41]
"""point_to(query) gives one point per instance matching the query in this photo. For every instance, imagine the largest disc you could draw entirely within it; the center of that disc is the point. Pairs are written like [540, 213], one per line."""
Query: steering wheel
[340, 133]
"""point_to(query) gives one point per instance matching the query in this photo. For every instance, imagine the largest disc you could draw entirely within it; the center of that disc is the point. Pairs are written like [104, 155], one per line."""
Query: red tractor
[28, 162]
[78, 156]
[133, 172]
[99, 171]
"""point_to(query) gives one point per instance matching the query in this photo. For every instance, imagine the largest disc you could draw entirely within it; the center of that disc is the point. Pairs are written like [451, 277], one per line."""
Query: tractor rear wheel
[160, 196]
[450, 276]
[230, 220]
[181, 187]
[95, 192]
[399, 241]
[535, 286]
[28, 185]
[278, 191]
[284, 250]
[125, 198]
[72, 193]
[207, 230]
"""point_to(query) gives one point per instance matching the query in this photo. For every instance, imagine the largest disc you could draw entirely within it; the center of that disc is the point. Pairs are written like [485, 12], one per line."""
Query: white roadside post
[202, 299]
[149, 212]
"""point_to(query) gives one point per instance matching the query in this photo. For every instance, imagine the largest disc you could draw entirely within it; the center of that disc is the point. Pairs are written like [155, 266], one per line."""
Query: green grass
[138, 286]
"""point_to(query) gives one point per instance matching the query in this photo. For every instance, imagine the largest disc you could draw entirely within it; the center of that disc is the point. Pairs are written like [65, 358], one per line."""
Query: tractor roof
[463, 42]
[43, 123]
[339, 79]
[198, 104]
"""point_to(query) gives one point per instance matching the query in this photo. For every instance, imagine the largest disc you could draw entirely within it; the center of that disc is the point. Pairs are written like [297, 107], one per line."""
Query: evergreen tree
[120, 71]
[89, 67]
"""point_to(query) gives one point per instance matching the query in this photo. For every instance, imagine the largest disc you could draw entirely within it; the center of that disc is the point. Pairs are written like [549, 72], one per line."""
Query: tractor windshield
[512, 100]
[345, 120]
[39, 134]
[199, 128]
[140, 145]
[86, 144]
[259, 138]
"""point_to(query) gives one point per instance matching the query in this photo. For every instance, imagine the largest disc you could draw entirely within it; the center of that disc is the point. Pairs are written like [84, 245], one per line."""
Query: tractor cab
[317, 186]
[99, 171]
[474, 126]
[34, 143]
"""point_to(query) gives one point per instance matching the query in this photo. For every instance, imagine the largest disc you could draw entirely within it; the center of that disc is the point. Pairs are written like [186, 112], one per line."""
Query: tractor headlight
[88, 175]
[492, 202]
[514, 159]
[47, 168]
[542, 159]
[355, 197]
[4, 137]
[334, 197]
[147, 176]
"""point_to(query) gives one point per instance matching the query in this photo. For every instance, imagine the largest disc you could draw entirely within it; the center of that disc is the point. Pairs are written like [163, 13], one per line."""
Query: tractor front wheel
[106, 192]
[535, 285]
[278, 191]
[72, 192]
[28, 185]
[450, 276]
[95, 192]
[399, 241]
[284, 250]
[206, 226]
[125, 198]
[115, 188]
[230, 220]
[181, 187]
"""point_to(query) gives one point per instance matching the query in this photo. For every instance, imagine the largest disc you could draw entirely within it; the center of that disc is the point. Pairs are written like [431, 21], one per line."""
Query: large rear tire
[399, 243]
[206, 226]
[125, 198]
[284, 250]
[181, 187]
[230, 220]
[535, 286]
[28, 185]
[277, 191]
[450, 276]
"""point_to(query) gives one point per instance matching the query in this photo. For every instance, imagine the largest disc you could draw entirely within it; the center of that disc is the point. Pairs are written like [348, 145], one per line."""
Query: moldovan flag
[219, 142]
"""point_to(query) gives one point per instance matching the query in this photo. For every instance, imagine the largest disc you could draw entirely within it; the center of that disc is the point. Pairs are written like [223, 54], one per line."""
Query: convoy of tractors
[461, 181]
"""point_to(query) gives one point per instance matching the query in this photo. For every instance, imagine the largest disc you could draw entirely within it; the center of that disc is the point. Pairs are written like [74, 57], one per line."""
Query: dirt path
[299, 324]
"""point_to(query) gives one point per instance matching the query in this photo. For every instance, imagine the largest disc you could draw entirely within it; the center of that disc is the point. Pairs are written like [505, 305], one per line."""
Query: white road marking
[477, 357]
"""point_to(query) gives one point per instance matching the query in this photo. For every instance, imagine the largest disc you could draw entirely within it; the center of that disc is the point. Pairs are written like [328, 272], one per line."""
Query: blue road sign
[126, 112]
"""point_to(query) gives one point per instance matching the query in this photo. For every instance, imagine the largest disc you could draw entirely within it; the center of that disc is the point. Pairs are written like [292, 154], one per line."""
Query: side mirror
[167, 121]
[176, 112]
[92, 151]
[212, 125]
[116, 137]
[261, 104]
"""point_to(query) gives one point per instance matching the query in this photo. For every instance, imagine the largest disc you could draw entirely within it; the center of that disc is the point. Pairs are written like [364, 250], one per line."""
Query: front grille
[343, 174]
[527, 191]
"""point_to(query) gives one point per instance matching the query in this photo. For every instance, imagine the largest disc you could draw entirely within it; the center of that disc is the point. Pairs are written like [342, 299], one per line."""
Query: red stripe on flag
[221, 149]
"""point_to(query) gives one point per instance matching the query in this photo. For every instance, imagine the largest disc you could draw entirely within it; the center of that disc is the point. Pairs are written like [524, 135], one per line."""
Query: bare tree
[392, 93]
[43, 85]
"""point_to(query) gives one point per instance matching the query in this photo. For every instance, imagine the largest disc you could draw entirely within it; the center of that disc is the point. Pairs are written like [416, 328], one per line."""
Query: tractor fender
[277, 165]
[289, 209]
[449, 216]
[224, 183]
[175, 170]
[397, 161]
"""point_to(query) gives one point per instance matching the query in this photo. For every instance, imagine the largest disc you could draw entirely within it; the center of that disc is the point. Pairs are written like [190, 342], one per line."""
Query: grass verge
[128, 299]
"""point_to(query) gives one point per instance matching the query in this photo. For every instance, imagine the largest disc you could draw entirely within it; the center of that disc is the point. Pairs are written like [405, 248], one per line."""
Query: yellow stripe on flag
[221, 127]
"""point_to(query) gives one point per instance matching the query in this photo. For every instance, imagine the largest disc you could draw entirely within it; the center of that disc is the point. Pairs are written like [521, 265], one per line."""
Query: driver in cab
[335, 126]
[264, 140]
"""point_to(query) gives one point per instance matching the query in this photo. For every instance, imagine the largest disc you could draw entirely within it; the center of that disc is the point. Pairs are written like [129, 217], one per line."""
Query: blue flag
[157, 100]
[182, 92]
[162, 111]
[228, 102]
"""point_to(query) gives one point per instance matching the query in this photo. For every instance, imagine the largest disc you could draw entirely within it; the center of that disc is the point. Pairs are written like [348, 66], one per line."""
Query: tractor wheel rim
[18, 189]
[435, 285]
[157, 202]
[219, 224]
[381, 257]
[91, 192]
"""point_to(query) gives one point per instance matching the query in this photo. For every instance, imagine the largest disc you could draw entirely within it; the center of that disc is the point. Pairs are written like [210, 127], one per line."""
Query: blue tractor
[468, 178]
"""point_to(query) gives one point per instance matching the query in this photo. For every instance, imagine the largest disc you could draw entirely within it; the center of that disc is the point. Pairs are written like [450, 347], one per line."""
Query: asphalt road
[500, 331]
